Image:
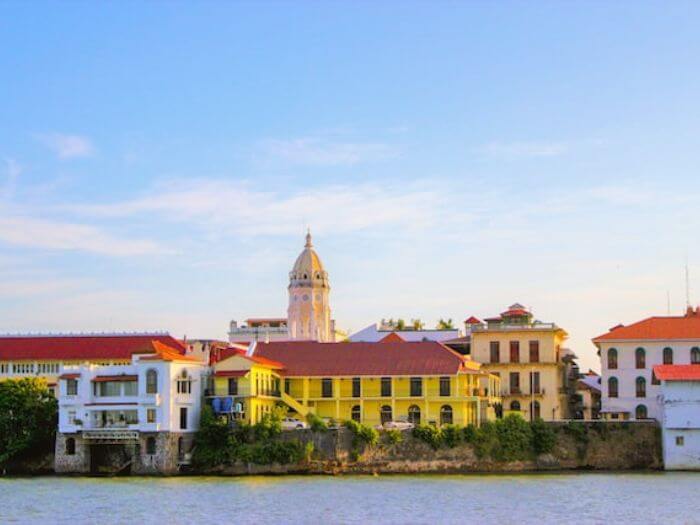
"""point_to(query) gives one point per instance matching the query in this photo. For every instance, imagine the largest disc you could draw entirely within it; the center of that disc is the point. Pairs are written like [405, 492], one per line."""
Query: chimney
[689, 312]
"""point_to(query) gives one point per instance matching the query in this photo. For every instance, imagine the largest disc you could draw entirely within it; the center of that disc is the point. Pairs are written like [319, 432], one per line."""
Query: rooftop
[677, 372]
[661, 328]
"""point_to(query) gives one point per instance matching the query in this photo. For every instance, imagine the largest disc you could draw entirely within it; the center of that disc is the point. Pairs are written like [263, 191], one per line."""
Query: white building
[680, 387]
[378, 331]
[629, 389]
[141, 416]
[263, 329]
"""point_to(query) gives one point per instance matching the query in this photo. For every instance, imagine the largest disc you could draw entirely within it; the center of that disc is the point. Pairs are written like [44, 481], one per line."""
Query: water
[573, 498]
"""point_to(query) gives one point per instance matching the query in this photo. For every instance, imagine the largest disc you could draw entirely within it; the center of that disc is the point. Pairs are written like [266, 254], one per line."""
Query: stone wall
[79, 462]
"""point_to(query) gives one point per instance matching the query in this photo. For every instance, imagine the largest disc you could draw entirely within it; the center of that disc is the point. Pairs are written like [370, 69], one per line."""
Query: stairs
[295, 405]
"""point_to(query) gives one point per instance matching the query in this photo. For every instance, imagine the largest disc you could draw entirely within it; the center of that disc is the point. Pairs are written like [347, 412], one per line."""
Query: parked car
[292, 423]
[398, 425]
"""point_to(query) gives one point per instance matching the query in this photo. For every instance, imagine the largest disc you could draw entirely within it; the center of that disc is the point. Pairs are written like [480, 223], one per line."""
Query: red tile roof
[656, 328]
[677, 372]
[163, 352]
[472, 320]
[231, 351]
[304, 358]
[69, 376]
[393, 337]
[81, 347]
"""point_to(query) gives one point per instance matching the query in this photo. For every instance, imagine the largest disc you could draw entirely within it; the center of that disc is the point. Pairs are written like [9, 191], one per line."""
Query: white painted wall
[372, 334]
[681, 402]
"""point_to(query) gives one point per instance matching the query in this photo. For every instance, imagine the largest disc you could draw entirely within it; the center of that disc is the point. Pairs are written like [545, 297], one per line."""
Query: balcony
[498, 327]
[516, 391]
[113, 435]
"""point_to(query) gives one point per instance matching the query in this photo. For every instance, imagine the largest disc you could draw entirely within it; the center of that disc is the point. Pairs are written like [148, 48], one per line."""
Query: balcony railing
[522, 392]
[513, 327]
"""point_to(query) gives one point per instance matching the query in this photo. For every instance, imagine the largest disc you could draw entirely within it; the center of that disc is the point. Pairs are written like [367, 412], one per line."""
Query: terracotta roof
[81, 347]
[306, 358]
[515, 312]
[655, 328]
[120, 378]
[393, 337]
[472, 320]
[69, 376]
[677, 372]
[165, 353]
[231, 351]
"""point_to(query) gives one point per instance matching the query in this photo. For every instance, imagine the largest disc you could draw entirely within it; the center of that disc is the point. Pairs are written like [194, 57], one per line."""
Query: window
[287, 385]
[612, 359]
[71, 417]
[233, 386]
[514, 379]
[416, 386]
[184, 386]
[151, 446]
[385, 414]
[445, 415]
[4, 368]
[695, 356]
[414, 415]
[641, 387]
[151, 382]
[108, 389]
[183, 418]
[356, 387]
[612, 387]
[131, 388]
[150, 415]
[386, 387]
[495, 352]
[640, 358]
[679, 441]
[356, 413]
[535, 383]
[72, 387]
[445, 386]
[326, 387]
[515, 406]
[640, 412]
[70, 447]
[668, 356]
[534, 410]
[515, 351]
[654, 379]
[534, 351]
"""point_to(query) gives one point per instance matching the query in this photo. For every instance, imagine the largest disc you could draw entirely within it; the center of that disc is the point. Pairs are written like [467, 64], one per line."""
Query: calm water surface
[578, 498]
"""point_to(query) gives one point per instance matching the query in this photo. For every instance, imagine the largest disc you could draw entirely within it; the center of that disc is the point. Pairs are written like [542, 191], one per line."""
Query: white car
[398, 425]
[292, 423]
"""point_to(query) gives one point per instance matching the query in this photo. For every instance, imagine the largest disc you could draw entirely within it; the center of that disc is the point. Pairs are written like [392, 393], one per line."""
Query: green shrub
[428, 434]
[486, 442]
[577, 430]
[451, 435]
[394, 436]
[269, 426]
[469, 434]
[268, 452]
[543, 437]
[308, 451]
[316, 423]
[514, 438]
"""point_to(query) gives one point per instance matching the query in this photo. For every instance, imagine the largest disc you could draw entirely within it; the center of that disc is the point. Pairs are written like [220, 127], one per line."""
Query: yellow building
[43, 356]
[371, 383]
[528, 357]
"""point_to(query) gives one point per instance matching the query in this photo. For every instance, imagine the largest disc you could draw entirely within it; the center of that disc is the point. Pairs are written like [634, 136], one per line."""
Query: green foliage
[470, 433]
[316, 423]
[394, 436]
[543, 437]
[308, 451]
[445, 325]
[428, 434]
[515, 438]
[451, 435]
[577, 430]
[486, 442]
[269, 426]
[28, 418]
[268, 452]
[363, 433]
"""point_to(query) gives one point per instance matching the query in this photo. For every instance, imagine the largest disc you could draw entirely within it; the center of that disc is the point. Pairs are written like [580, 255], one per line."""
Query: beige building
[309, 312]
[529, 358]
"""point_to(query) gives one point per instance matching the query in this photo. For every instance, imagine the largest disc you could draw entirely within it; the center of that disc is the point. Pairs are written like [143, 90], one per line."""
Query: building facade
[260, 329]
[139, 417]
[628, 355]
[680, 422]
[371, 383]
[529, 358]
[378, 331]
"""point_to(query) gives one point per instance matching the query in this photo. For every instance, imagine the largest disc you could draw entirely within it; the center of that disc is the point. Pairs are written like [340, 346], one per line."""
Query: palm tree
[417, 324]
[400, 324]
[445, 325]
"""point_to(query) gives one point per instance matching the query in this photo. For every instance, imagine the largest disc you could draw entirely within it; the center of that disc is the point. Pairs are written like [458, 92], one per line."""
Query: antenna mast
[687, 283]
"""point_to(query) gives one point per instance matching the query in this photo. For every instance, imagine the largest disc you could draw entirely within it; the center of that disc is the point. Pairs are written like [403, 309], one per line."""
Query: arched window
[70, 447]
[612, 387]
[612, 359]
[515, 406]
[640, 358]
[151, 446]
[356, 413]
[151, 382]
[445, 415]
[414, 414]
[640, 412]
[695, 356]
[385, 414]
[641, 387]
[534, 410]
[668, 356]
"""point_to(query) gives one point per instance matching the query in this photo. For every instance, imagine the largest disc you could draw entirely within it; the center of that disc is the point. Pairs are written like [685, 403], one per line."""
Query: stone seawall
[584, 446]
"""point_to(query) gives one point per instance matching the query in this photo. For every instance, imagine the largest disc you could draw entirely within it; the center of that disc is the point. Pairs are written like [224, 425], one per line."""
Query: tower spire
[308, 238]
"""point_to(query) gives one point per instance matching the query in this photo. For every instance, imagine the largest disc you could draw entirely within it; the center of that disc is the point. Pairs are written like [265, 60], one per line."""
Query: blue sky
[159, 162]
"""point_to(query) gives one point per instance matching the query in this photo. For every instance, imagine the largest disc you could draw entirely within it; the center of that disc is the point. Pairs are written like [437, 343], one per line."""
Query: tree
[417, 324]
[400, 324]
[445, 325]
[28, 418]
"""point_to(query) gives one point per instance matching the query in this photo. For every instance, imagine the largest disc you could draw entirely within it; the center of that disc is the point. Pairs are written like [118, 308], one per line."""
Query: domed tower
[309, 312]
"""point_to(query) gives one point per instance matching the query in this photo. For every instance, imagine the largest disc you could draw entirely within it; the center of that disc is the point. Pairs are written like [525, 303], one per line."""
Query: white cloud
[525, 149]
[245, 211]
[56, 235]
[318, 152]
[68, 146]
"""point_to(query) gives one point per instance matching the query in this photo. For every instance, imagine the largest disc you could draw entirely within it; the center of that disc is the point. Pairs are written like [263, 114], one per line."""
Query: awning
[69, 376]
[122, 377]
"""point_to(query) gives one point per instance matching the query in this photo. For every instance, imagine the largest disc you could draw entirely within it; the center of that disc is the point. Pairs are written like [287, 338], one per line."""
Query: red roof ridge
[677, 372]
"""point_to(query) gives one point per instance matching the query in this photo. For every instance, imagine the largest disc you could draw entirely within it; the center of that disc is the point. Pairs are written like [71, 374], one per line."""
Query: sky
[160, 162]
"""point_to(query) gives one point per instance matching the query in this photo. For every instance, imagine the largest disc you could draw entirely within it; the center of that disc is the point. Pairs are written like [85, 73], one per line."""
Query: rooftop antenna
[668, 303]
[687, 283]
